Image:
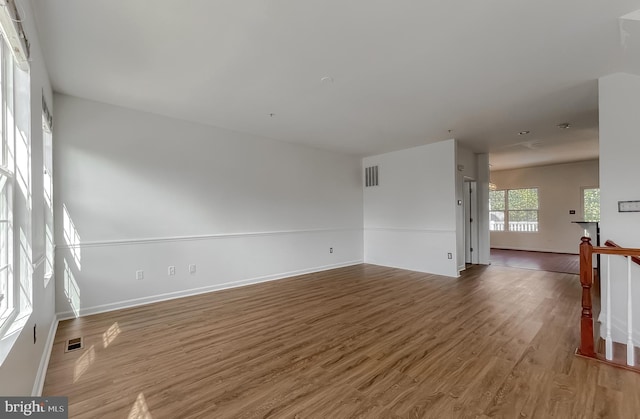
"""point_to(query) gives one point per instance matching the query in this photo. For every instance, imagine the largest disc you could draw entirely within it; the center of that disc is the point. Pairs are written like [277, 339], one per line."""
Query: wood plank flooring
[541, 261]
[357, 342]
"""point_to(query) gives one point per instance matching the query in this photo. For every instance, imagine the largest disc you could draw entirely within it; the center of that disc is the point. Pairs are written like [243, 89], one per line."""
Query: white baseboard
[86, 311]
[618, 330]
[44, 360]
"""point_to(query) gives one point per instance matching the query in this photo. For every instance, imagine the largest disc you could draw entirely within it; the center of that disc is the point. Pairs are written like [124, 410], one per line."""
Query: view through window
[591, 204]
[513, 210]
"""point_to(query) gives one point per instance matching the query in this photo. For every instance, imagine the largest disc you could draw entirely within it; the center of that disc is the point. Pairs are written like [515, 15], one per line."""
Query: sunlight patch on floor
[84, 363]
[140, 410]
[109, 336]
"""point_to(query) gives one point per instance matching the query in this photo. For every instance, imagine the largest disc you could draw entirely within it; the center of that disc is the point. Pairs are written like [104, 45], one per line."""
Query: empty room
[263, 209]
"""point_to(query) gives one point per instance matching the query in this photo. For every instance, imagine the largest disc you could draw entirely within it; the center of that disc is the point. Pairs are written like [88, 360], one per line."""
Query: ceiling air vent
[371, 176]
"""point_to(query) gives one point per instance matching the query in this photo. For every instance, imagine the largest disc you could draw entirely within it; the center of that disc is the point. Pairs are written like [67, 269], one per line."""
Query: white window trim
[46, 128]
[506, 211]
[12, 326]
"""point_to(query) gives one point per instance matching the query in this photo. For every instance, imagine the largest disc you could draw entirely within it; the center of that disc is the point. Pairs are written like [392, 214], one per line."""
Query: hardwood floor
[363, 341]
[541, 261]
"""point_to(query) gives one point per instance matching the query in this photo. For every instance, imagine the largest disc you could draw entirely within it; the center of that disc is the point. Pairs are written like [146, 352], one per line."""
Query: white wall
[619, 96]
[21, 371]
[410, 218]
[559, 191]
[482, 183]
[144, 192]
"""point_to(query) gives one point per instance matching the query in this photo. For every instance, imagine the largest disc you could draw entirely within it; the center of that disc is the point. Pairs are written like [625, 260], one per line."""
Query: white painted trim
[619, 330]
[195, 291]
[38, 385]
[38, 262]
[408, 230]
[125, 242]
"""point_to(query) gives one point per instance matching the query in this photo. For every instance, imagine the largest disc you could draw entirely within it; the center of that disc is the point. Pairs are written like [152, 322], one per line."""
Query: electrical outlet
[139, 275]
[192, 269]
[172, 270]
[331, 250]
[449, 256]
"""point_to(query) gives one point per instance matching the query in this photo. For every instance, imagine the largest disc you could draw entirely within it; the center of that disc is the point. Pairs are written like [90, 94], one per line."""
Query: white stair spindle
[630, 351]
[608, 351]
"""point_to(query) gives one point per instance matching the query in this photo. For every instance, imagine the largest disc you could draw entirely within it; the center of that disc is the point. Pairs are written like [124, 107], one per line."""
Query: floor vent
[74, 344]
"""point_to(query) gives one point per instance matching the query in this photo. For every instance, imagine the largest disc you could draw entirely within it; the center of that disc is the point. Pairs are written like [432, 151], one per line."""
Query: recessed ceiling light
[564, 125]
[326, 79]
[524, 132]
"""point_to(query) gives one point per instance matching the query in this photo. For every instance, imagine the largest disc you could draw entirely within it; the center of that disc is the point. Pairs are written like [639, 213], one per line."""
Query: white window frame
[15, 110]
[583, 189]
[9, 307]
[507, 224]
[47, 182]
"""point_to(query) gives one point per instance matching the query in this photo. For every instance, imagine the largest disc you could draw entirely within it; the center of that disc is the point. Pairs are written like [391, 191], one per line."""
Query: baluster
[608, 352]
[630, 351]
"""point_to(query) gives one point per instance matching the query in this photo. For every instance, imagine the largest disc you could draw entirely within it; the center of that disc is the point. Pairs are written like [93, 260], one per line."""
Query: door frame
[470, 224]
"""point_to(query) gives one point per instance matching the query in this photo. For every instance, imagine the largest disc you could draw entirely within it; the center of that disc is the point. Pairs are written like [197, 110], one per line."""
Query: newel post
[586, 280]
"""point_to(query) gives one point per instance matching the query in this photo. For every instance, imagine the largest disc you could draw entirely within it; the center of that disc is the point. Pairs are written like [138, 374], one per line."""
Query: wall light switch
[192, 269]
[172, 270]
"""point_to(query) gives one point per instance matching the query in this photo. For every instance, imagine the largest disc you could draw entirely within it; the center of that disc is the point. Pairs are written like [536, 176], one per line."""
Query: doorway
[470, 200]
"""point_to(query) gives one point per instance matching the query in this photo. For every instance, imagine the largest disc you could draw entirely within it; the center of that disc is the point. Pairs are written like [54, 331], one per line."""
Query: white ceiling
[404, 71]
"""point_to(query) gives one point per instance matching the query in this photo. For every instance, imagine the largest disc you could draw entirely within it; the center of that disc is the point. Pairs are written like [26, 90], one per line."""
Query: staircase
[601, 345]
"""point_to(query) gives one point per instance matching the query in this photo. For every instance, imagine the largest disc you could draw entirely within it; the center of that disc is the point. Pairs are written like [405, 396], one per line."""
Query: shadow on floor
[540, 261]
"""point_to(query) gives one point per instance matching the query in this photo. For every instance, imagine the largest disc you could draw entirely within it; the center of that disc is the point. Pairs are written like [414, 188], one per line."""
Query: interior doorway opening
[471, 231]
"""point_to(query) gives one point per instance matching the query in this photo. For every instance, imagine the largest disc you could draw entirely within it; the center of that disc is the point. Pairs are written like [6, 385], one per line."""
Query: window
[15, 192]
[47, 173]
[591, 204]
[6, 283]
[513, 210]
[497, 209]
[7, 168]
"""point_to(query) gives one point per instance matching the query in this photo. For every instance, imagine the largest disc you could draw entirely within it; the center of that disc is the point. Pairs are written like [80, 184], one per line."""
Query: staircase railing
[611, 243]
[587, 340]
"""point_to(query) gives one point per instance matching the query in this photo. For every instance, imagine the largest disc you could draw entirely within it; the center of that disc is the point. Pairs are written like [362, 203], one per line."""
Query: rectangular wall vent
[74, 344]
[371, 176]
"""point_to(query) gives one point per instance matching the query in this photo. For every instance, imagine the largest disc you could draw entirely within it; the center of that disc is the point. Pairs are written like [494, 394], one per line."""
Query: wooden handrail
[611, 243]
[586, 280]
